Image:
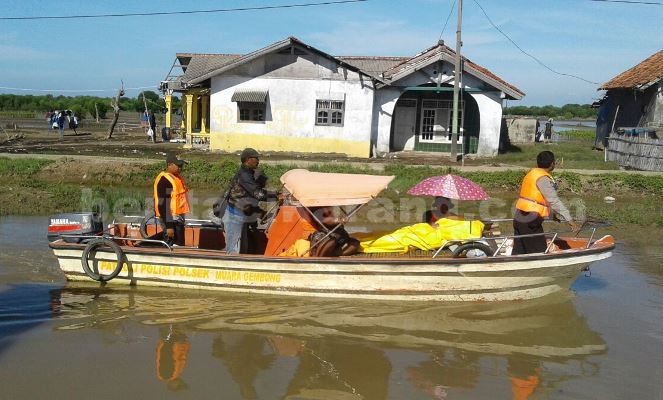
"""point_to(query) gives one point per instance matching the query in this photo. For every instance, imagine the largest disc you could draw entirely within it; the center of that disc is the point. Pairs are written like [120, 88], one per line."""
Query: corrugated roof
[372, 65]
[198, 67]
[200, 64]
[641, 76]
[249, 96]
[441, 51]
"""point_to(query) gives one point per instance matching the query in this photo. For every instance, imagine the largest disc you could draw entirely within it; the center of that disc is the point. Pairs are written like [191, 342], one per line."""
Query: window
[329, 112]
[251, 111]
[436, 121]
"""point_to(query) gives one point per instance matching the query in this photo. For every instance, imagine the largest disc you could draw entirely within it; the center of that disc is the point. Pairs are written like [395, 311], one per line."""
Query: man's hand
[170, 232]
[575, 227]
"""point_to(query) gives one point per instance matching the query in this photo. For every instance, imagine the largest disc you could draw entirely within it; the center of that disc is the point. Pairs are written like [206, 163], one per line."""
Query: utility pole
[457, 78]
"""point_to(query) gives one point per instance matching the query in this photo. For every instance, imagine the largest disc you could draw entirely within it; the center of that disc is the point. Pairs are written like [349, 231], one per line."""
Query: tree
[115, 103]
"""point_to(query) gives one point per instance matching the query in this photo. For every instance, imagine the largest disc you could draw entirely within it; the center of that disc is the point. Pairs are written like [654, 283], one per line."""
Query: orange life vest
[531, 199]
[179, 203]
[172, 365]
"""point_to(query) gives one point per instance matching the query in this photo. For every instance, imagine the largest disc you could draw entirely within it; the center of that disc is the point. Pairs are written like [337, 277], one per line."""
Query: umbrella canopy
[314, 189]
[451, 186]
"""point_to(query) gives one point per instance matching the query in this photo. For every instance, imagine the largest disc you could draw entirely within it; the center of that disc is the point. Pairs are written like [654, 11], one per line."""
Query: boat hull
[481, 279]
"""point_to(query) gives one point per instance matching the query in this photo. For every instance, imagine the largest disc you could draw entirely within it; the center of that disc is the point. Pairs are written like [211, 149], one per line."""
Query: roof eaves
[275, 47]
[514, 92]
[244, 59]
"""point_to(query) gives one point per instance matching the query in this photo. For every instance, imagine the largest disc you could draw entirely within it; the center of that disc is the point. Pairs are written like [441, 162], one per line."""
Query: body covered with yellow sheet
[420, 236]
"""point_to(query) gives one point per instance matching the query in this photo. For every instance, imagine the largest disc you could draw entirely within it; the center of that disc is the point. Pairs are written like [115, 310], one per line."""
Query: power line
[650, 3]
[528, 54]
[75, 90]
[453, 5]
[220, 10]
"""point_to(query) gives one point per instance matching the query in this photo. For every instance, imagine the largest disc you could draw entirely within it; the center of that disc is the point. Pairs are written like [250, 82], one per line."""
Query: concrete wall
[490, 114]
[294, 83]
[383, 112]
[521, 129]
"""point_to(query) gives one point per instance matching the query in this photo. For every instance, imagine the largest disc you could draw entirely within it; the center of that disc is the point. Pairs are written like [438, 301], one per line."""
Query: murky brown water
[60, 340]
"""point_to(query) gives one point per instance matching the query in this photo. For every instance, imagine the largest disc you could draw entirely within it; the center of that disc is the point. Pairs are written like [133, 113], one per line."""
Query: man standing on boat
[170, 199]
[245, 193]
[538, 195]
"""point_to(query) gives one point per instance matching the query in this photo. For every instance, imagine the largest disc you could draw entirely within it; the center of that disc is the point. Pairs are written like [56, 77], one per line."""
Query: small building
[633, 99]
[290, 96]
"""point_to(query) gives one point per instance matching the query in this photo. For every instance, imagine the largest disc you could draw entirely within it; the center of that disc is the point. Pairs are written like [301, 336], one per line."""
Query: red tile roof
[647, 72]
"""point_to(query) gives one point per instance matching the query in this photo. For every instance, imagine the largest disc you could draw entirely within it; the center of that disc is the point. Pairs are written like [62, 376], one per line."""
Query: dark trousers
[527, 223]
[178, 226]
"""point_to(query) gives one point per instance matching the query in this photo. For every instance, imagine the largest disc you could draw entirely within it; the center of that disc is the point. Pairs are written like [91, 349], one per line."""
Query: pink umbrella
[450, 186]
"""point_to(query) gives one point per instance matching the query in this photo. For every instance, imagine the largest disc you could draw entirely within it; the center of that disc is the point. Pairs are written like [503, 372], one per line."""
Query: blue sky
[594, 40]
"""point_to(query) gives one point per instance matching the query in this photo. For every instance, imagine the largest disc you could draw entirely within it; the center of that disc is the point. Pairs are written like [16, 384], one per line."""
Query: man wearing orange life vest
[170, 199]
[538, 196]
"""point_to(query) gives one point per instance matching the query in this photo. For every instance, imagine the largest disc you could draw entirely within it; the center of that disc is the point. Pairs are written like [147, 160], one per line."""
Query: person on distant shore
[61, 123]
[153, 126]
[49, 120]
[547, 133]
[538, 196]
[170, 199]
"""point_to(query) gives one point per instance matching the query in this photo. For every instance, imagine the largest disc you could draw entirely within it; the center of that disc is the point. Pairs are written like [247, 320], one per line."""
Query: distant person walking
[548, 130]
[153, 126]
[49, 120]
[61, 121]
[73, 122]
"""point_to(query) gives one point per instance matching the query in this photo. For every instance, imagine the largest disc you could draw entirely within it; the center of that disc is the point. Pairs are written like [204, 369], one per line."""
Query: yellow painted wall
[238, 141]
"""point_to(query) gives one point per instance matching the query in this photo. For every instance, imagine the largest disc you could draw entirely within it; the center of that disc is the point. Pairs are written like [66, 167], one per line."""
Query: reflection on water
[86, 341]
[322, 349]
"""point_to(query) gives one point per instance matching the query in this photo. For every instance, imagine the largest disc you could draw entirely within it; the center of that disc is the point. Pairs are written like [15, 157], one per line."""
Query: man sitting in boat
[338, 242]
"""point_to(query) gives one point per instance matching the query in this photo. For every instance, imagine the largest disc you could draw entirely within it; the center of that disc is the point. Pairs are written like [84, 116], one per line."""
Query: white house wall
[489, 104]
[294, 83]
[490, 110]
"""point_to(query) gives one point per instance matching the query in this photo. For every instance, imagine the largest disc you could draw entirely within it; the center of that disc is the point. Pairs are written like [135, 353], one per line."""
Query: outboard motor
[82, 224]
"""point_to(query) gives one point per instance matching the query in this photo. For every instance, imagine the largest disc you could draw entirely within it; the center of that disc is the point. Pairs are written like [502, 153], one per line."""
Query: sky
[594, 40]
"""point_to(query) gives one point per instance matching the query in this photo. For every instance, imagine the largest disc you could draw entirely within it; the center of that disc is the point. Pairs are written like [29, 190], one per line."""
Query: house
[633, 99]
[290, 96]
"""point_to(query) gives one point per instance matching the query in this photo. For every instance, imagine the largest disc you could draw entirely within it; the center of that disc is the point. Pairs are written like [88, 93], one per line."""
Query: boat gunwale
[597, 248]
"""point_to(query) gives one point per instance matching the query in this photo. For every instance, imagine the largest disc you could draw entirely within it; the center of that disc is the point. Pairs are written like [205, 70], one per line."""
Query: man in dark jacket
[245, 193]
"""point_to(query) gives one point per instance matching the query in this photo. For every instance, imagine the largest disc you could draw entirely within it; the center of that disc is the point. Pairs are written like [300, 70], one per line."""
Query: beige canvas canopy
[314, 189]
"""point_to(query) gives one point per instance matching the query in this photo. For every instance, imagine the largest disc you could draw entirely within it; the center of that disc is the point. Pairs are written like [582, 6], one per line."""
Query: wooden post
[96, 112]
[169, 106]
[189, 117]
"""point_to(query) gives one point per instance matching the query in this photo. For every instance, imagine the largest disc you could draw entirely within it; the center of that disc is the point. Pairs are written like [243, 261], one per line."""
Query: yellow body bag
[420, 236]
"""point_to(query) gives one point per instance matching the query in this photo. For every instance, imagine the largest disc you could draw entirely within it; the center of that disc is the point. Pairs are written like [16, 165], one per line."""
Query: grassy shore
[38, 187]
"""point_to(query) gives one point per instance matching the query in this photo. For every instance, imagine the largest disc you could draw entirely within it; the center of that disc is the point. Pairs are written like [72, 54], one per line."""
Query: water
[63, 340]
[568, 125]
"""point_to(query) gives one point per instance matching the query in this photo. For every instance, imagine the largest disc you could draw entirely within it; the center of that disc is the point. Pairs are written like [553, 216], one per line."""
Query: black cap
[248, 153]
[172, 159]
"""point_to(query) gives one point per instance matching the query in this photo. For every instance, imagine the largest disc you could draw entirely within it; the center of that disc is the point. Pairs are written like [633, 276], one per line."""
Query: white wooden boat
[115, 257]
